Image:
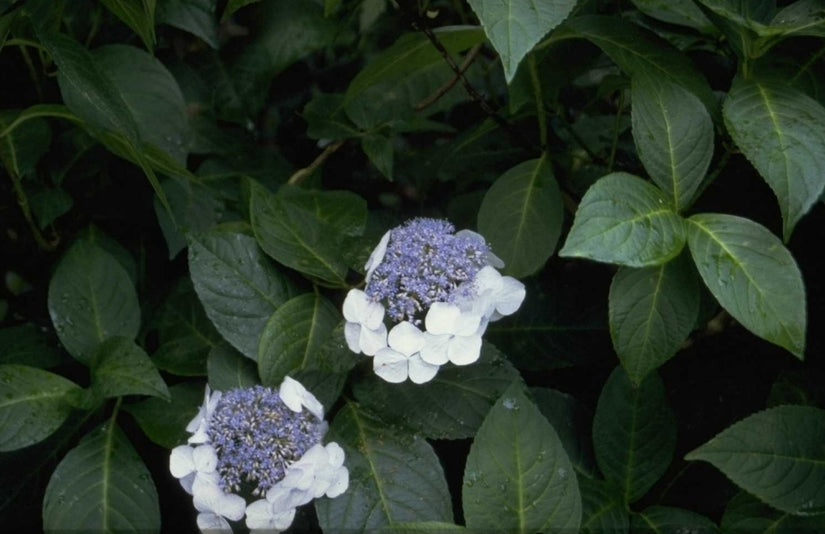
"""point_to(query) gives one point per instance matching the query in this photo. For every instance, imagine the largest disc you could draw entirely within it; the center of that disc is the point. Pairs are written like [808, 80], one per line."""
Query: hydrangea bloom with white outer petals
[261, 438]
[424, 274]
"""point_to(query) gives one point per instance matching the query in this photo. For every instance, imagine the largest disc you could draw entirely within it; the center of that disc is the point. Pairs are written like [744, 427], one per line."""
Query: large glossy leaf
[227, 369]
[669, 520]
[295, 237]
[139, 15]
[196, 207]
[674, 137]
[803, 17]
[344, 211]
[164, 422]
[394, 477]
[194, 16]
[450, 406]
[237, 285]
[746, 513]
[22, 147]
[634, 433]
[776, 455]
[681, 12]
[91, 299]
[514, 27]
[102, 486]
[623, 219]
[603, 508]
[779, 129]
[32, 405]
[293, 334]
[652, 311]
[120, 367]
[518, 477]
[752, 275]
[572, 422]
[521, 216]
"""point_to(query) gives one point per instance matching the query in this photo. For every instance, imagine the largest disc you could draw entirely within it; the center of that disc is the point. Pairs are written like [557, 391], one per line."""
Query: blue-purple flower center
[425, 262]
[257, 437]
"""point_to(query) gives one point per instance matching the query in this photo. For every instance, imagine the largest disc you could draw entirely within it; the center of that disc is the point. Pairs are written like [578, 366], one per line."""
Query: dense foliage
[191, 187]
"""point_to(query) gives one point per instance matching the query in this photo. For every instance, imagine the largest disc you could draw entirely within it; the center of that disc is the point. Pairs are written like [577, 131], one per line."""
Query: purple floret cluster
[256, 437]
[425, 262]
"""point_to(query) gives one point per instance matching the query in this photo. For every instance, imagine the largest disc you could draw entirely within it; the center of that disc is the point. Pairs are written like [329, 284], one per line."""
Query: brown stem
[441, 91]
[300, 174]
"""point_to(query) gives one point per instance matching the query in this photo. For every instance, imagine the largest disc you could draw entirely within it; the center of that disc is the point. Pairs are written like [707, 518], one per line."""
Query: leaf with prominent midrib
[746, 513]
[777, 455]
[165, 422]
[394, 477]
[652, 310]
[660, 519]
[779, 129]
[138, 15]
[91, 298]
[32, 405]
[674, 137]
[238, 287]
[634, 433]
[101, 485]
[521, 216]
[603, 509]
[120, 367]
[518, 477]
[752, 275]
[22, 147]
[623, 219]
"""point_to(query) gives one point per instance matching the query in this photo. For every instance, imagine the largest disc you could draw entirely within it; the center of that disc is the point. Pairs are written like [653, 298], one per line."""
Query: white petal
[283, 498]
[340, 482]
[205, 459]
[209, 522]
[406, 338]
[510, 296]
[352, 332]
[261, 515]
[487, 279]
[296, 396]
[434, 350]
[336, 454]
[421, 371]
[371, 341]
[373, 315]
[187, 482]
[180, 461]
[355, 304]
[464, 350]
[200, 423]
[207, 496]
[467, 324]
[377, 255]
[390, 365]
[442, 318]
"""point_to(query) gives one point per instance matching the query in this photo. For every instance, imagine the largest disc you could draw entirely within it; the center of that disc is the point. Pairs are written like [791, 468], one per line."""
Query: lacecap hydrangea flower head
[260, 443]
[430, 294]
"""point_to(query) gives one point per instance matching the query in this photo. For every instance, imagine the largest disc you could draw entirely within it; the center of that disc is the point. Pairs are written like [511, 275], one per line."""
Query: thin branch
[23, 202]
[441, 91]
[300, 174]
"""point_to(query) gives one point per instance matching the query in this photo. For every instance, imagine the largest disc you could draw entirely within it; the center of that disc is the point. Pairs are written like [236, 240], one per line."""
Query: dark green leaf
[518, 477]
[379, 149]
[120, 367]
[669, 520]
[652, 311]
[102, 486]
[325, 385]
[776, 455]
[803, 17]
[681, 12]
[779, 129]
[27, 345]
[634, 433]
[521, 216]
[32, 405]
[228, 369]
[194, 16]
[49, 203]
[326, 118]
[422, 527]
[293, 334]
[572, 422]
[344, 211]
[234, 5]
[138, 15]
[196, 208]
[603, 509]
[746, 513]
[394, 477]
[238, 287]
[752, 275]
[22, 147]
[623, 219]
[165, 422]
[91, 299]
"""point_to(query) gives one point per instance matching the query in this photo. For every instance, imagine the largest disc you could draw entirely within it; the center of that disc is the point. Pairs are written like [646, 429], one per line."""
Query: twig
[441, 91]
[23, 202]
[300, 174]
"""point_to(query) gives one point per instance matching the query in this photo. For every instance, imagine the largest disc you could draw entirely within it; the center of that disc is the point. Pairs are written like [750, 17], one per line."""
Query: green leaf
[680, 12]
[752, 275]
[91, 299]
[779, 129]
[138, 15]
[102, 486]
[27, 344]
[652, 312]
[49, 203]
[746, 513]
[196, 208]
[803, 17]
[32, 405]
[669, 520]
[185, 334]
[234, 5]
[450, 406]
[776, 455]
[640, 53]
[412, 52]
[326, 119]
[295, 237]
[293, 334]
[344, 211]
[325, 385]
[394, 477]
[625, 220]
[238, 287]
[379, 149]
[23, 146]
[521, 216]
[152, 96]
[194, 16]
[228, 369]
[120, 367]
[572, 422]
[422, 527]
[603, 509]
[514, 27]
[165, 422]
[634, 433]
[674, 137]
[518, 477]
